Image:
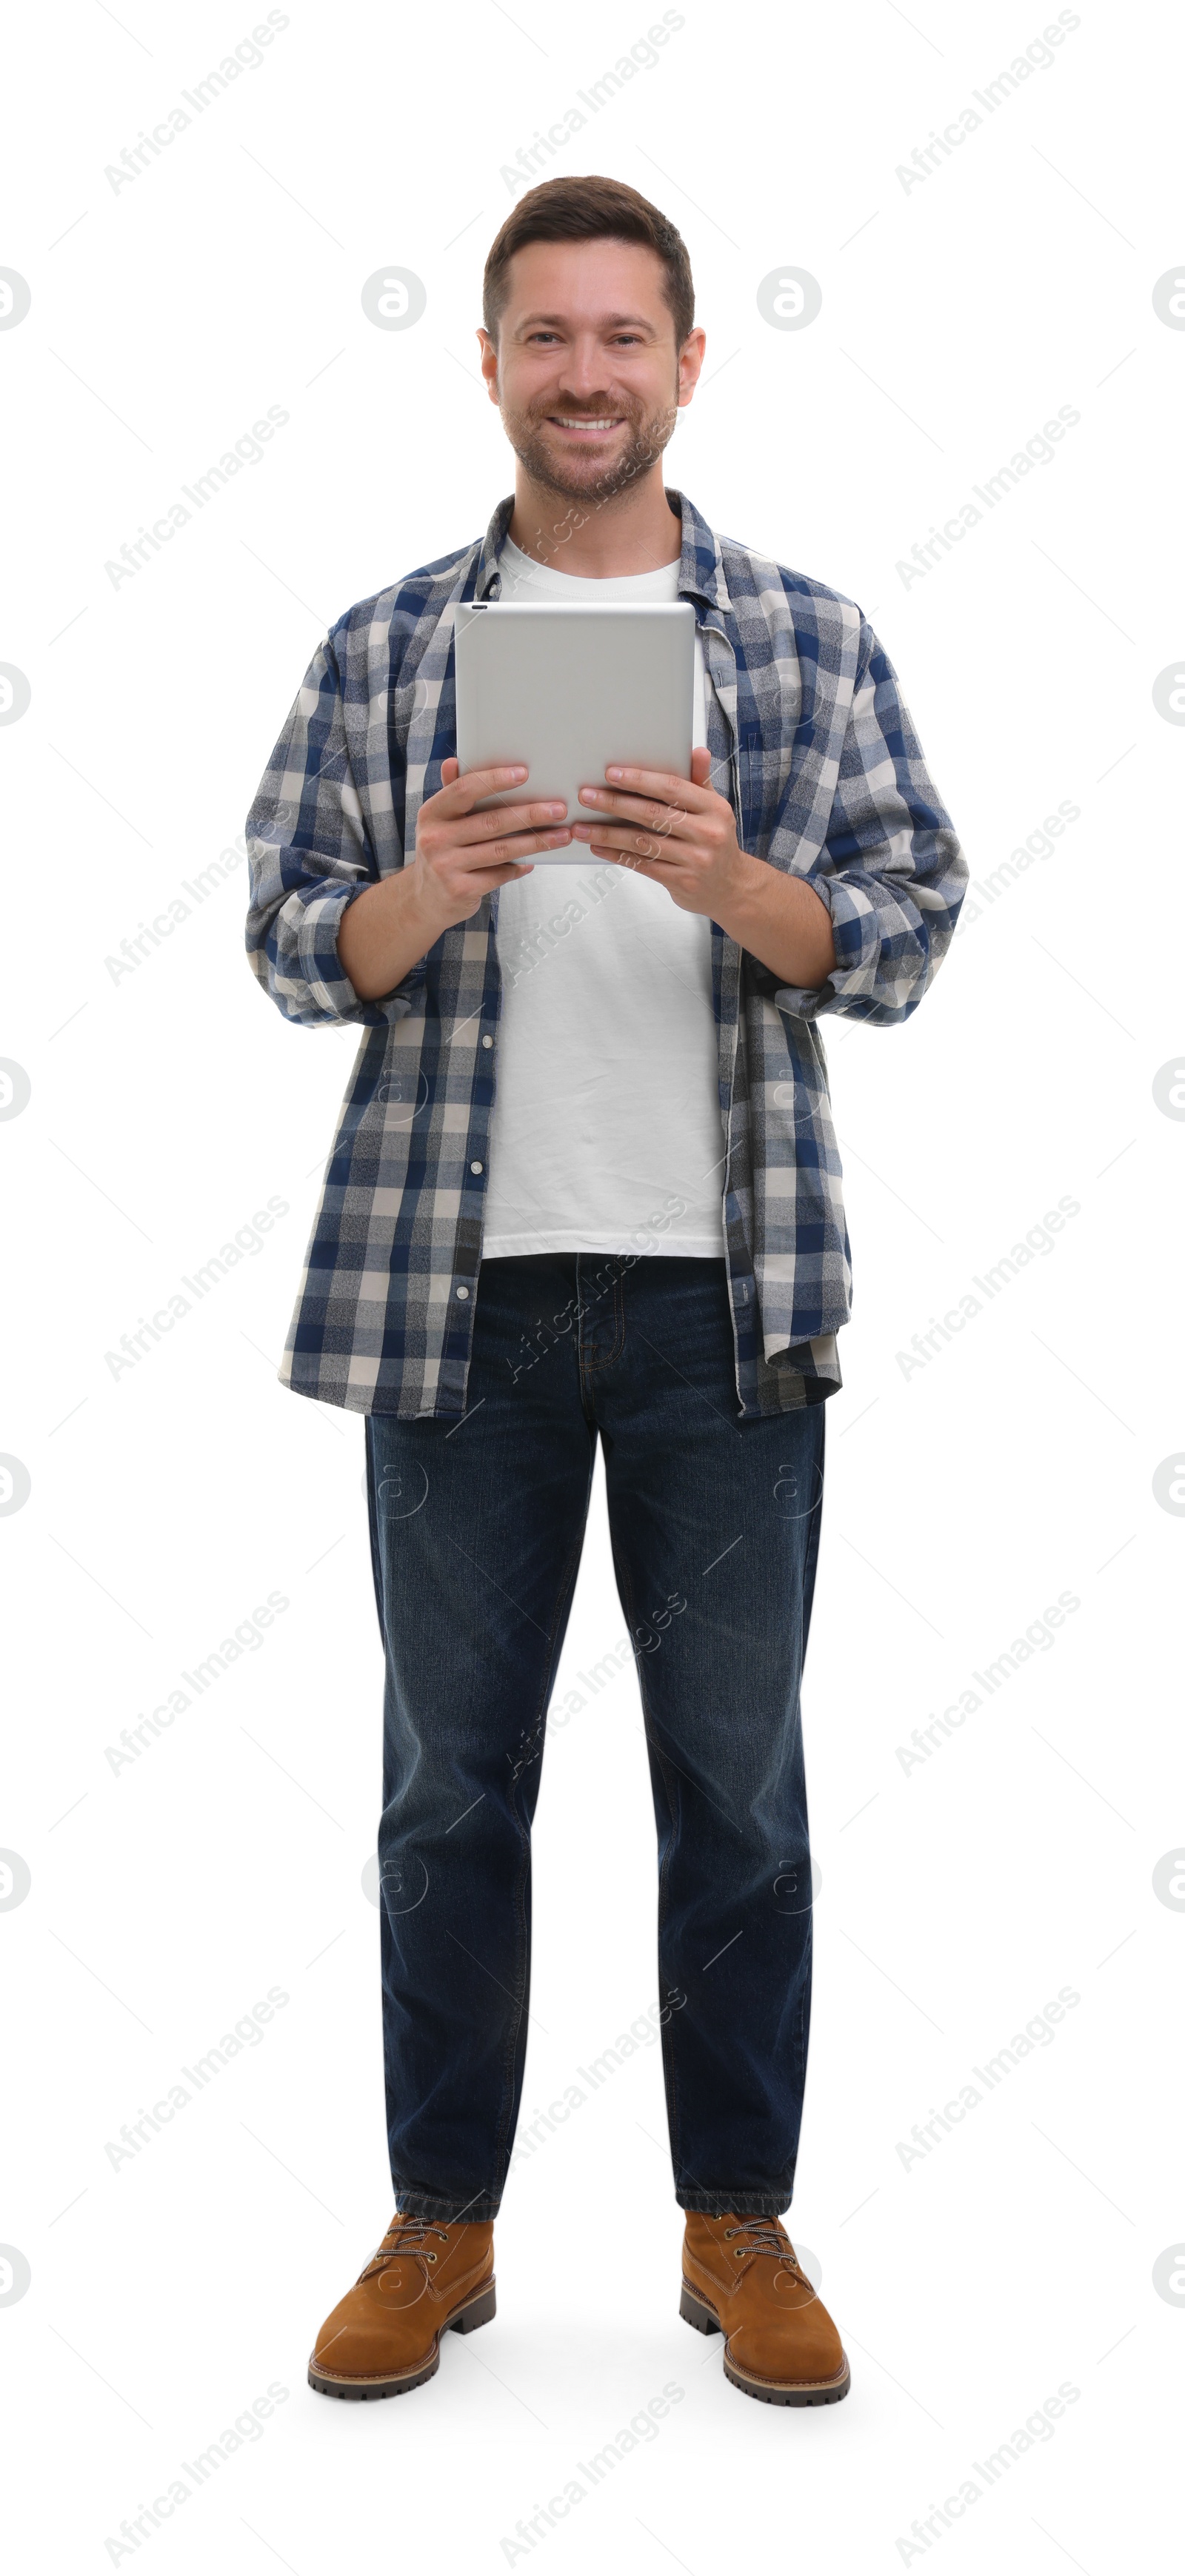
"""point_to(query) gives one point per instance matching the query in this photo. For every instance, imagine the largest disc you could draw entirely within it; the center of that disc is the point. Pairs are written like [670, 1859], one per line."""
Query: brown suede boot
[384, 2336]
[741, 2279]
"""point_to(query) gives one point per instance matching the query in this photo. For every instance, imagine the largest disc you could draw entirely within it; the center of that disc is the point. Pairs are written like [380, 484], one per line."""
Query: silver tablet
[568, 689]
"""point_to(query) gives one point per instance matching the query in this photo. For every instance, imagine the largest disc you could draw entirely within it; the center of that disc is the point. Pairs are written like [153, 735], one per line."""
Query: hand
[461, 856]
[682, 834]
[676, 830]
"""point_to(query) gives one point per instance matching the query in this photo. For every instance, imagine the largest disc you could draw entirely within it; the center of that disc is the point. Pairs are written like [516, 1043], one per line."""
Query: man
[585, 1182]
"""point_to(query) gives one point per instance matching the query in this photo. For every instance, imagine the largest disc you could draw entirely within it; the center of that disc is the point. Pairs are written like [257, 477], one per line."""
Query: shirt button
[477, 1167]
[462, 1292]
[487, 1041]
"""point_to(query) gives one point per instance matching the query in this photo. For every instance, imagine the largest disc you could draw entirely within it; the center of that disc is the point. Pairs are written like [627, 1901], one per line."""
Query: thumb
[701, 765]
[449, 770]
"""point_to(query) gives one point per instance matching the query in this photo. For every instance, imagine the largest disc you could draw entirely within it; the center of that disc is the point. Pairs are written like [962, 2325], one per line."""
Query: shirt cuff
[322, 970]
[856, 932]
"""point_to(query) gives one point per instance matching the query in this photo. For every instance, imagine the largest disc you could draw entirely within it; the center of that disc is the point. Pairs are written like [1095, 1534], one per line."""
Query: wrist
[744, 906]
[784, 923]
[425, 906]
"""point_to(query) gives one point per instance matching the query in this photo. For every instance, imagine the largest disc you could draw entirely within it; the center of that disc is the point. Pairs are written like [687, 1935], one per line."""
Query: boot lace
[766, 2236]
[405, 2235]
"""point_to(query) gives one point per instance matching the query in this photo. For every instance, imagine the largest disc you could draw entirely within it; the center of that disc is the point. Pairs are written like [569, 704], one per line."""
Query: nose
[586, 373]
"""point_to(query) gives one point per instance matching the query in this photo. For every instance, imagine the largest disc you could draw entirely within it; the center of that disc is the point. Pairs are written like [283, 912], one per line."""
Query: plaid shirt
[811, 742]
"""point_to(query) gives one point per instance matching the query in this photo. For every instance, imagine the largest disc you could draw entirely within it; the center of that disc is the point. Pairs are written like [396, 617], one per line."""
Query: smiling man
[585, 1186]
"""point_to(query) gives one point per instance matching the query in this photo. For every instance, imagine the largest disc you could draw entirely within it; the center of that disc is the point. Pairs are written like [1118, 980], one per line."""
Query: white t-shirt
[607, 1133]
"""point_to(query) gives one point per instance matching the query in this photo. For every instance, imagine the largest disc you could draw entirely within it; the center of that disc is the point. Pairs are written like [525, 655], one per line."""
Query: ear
[691, 359]
[489, 362]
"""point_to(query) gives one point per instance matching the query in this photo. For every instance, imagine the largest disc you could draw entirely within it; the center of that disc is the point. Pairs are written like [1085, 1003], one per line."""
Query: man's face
[585, 370]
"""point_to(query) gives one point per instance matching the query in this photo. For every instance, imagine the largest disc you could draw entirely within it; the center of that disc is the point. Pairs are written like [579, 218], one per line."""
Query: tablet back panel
[568, 689]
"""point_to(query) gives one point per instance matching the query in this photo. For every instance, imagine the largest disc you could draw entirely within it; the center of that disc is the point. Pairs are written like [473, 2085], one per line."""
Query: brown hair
[589, 210]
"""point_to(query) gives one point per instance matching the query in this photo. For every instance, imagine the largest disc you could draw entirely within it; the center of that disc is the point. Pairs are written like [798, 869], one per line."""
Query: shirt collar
[701, 564]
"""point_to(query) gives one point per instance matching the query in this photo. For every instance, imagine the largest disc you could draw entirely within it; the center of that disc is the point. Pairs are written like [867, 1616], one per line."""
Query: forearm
[385, 932]
[782, 922]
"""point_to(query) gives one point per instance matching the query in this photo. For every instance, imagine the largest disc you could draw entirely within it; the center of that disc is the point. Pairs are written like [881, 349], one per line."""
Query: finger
[501, 819]
[631, 860]
[479, 859]
[624, 838]
[456, 795]
[612, 801]
[659, 783]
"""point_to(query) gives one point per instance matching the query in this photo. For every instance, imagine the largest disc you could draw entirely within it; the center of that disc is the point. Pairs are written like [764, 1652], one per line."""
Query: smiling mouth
[572, 426]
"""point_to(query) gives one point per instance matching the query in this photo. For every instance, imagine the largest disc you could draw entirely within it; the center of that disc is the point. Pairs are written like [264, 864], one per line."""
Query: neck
[634, 532]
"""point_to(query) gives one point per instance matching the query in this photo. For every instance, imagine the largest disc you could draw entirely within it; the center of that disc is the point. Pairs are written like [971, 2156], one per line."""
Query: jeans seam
[587, 1366]
[674, 2115]
[766, 2204]
[434, 2204]
[566, 1589]
[501, 2143]
[674, 2111]
[373, 1525]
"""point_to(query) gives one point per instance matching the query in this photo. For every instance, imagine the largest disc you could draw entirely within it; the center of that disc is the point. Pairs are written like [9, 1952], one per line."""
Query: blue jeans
[476, 1532]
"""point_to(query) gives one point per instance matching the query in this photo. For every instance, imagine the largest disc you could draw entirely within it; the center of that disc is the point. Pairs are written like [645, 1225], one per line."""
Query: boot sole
[476, 2312]
[772, 2392]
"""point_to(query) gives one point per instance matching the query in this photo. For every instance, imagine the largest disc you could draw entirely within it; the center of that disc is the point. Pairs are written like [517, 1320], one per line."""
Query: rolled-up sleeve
[891, 871]
[310, 854]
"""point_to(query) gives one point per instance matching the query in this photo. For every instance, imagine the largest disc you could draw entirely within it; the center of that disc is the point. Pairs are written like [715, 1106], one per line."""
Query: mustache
[623, 410]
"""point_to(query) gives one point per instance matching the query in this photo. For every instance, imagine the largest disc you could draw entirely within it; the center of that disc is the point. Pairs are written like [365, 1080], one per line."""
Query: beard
[577, 476]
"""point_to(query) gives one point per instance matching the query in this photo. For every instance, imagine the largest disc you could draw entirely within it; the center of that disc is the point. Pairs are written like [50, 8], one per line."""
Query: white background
[169, 1103]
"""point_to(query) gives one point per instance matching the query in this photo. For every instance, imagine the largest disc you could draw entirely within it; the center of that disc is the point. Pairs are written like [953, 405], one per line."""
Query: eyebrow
[611, 322]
